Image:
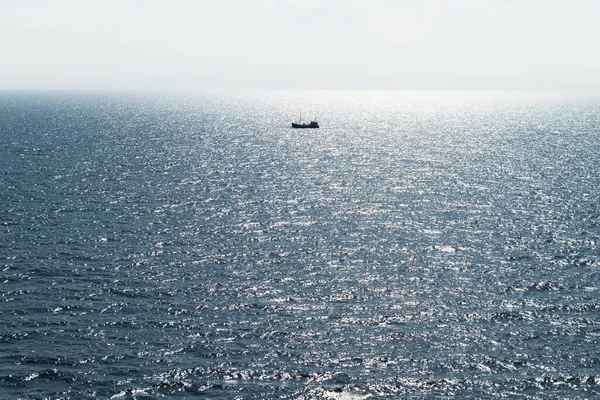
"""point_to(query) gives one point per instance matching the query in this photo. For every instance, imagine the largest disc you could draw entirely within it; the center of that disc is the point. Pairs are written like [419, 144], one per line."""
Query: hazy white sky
[305, 44]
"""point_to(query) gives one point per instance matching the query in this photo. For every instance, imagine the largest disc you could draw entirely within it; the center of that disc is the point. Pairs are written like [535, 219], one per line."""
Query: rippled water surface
[418, 245]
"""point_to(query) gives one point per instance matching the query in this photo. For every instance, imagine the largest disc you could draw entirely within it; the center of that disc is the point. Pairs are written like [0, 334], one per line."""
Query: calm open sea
[418, 245]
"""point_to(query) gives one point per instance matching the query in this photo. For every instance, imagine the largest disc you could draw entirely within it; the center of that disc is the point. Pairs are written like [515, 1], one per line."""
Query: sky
[300, 44]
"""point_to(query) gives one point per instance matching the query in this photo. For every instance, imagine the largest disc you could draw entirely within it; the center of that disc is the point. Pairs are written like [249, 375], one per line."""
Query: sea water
[417, 245]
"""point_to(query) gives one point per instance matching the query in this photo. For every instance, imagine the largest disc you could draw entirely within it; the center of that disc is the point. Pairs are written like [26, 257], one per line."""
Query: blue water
[418, 245]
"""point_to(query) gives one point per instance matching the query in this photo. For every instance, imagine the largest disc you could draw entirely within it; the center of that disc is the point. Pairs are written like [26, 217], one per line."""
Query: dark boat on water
[313, 124]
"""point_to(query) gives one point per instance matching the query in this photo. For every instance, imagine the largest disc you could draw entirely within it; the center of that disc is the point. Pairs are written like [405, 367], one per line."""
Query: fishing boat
[300, 125]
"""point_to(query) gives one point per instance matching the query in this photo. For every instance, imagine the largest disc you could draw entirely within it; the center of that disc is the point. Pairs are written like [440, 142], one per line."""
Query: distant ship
[313, 124]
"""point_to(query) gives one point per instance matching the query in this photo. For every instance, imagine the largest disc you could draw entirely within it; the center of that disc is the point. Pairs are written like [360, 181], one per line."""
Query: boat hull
[312, 125]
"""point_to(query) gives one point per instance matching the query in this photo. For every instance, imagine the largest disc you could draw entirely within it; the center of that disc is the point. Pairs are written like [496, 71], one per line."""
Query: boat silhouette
[300, 125]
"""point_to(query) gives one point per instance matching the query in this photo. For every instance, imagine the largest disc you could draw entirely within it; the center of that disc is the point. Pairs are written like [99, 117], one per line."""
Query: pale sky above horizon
[300, 44]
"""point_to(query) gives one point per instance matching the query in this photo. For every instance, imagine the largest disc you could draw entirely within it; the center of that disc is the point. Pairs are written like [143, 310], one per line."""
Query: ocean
[419, 245]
